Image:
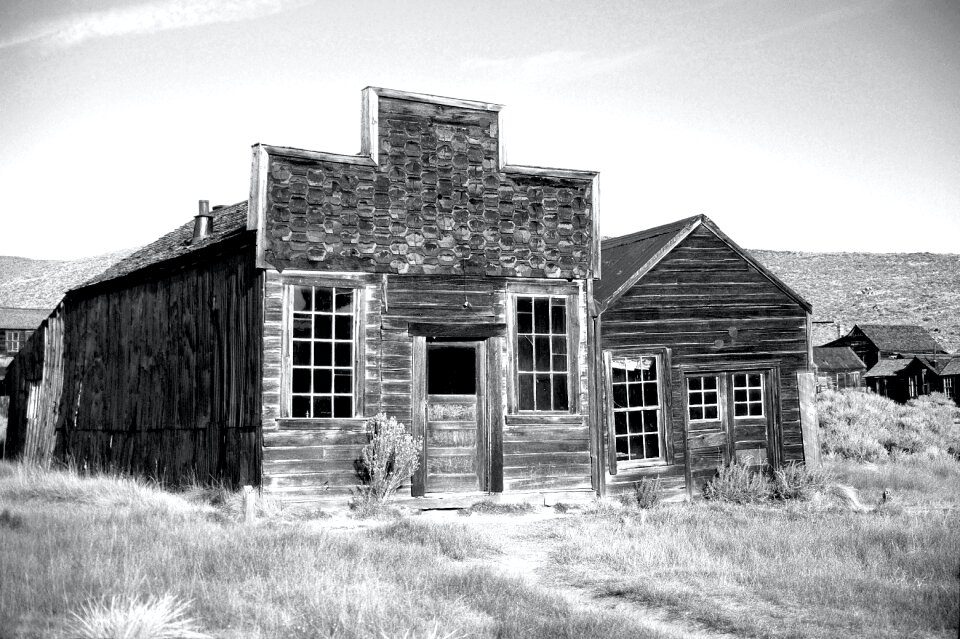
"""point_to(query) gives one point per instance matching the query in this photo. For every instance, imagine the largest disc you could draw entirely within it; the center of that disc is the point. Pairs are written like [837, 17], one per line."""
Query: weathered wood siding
[314, 458]
[437, 202]
[709, 307]
[161, 376]
[33, 382]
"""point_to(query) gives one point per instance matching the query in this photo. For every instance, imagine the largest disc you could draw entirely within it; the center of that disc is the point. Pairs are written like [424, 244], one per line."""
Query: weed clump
[489, 507]
[646, 493]
[739, 484]
[797, 481]
[391, 458]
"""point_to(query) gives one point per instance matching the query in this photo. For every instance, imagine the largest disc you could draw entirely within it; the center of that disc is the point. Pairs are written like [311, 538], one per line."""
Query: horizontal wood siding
[710, 307]
[162, 377]
[312, 459]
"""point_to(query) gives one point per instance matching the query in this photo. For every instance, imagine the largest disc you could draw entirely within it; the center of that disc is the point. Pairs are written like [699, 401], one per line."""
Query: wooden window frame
[763, 394]
[718, 390]
[358, 327]
[571, 292]
[663, 375]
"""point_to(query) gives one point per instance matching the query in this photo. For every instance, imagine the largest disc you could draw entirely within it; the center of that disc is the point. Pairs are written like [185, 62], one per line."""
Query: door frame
[724, 372]
[489, 408]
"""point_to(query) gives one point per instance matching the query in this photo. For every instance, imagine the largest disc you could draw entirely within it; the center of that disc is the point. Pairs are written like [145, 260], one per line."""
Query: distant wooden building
[874, 342]
[16, 326]
[949, 375]
[706, 358]
[838, 367]
[427, 279]
[902, 379]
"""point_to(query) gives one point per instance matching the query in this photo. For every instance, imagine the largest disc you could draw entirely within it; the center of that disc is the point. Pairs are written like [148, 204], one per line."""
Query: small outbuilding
[838, 367]
[706, 358]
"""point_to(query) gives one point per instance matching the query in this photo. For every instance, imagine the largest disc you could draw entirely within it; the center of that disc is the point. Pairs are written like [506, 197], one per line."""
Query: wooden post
[249, 503]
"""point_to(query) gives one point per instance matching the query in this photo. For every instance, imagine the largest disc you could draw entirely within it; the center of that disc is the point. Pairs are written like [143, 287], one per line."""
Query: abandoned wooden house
[873, 342]
[902, 378]
[706, 358]
[427, 279]
[838, 367]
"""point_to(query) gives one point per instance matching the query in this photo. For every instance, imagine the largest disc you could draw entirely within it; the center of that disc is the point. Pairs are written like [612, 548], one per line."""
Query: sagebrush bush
[798, 481]
[391, 458]
[646, 492]
[737, 483]
[863, 426]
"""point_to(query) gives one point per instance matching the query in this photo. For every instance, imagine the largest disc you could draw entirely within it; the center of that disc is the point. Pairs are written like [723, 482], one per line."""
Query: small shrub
[10, 520]
[646, 492]
[391, 458]
[737, 483]
[154, 618]
[796, 481]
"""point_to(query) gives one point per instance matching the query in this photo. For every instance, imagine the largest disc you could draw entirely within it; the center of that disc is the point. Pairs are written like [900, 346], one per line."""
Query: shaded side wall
[709, 307]
[162, 376]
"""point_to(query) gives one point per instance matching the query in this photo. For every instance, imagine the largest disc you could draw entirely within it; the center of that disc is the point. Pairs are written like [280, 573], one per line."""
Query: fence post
[249, 503]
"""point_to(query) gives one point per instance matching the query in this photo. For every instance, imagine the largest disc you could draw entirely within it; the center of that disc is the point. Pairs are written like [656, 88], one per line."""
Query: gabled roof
[22, 318]
[888, 367]
[228, 221]
[900, 338]
[626, 259]
[837, 358]
[952, 367]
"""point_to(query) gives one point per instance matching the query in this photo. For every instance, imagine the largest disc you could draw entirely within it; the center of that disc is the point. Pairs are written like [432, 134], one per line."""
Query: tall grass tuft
[162, 617]
[737, 483]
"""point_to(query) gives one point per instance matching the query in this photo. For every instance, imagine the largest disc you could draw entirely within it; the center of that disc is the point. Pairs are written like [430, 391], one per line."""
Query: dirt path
[526, 554]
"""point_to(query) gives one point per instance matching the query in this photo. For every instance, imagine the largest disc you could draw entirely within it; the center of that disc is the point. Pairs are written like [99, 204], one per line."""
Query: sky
[828, 125]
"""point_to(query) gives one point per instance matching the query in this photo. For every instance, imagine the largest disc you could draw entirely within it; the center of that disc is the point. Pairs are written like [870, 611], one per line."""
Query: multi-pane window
[636, 408]
[13, 340]
[748, 395]
[322, 352]
[542, 353]
[702, 398]
[948, 386]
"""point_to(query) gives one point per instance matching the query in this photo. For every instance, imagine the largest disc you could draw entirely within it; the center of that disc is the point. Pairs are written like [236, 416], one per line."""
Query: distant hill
[26, 283]
[893, 288]
[889, 288]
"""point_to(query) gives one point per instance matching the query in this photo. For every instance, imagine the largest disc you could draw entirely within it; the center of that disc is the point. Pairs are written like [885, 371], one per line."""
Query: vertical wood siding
[33, 382]
[710, 308]
[162, 377]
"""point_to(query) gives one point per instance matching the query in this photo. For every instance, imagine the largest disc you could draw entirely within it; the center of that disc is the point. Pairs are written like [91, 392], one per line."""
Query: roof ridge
[653, 231]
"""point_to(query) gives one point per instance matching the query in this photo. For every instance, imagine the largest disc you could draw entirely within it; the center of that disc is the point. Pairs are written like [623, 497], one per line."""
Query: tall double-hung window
[542, 353]
[322, 352]
[637, 409]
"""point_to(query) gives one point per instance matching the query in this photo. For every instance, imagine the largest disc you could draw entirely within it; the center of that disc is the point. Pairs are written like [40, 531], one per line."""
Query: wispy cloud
[147, 17]
[814, 22]
[570, 63]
